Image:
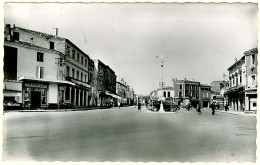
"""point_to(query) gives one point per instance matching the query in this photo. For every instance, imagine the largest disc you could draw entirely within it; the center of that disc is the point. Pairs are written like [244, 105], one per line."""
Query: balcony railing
[235, 88]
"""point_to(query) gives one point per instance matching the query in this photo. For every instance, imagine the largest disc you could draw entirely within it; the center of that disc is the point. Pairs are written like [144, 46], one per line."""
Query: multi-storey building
[121, 90]
[33, 74]
[131, 96]
[251, 77]
[92, 97]
[237, 82]
[186, 92]
[105, 84]
[205, 95]
[126, 93]
[72, 65]
[218, 88]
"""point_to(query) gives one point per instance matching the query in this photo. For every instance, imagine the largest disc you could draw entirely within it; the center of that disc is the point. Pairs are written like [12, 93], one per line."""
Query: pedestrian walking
[199, 109]
[188, 107]
[213, 106]
[226, 107]
[118, 104]
[139, 106]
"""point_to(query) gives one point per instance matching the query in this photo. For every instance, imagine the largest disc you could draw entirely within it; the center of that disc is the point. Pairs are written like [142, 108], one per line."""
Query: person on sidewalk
[226, 107]
[139, 106]
[213, 106]
[188, 106]
[199, 109]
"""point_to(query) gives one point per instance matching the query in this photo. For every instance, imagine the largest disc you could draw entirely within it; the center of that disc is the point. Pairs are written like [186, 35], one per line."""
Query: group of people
[213, 107]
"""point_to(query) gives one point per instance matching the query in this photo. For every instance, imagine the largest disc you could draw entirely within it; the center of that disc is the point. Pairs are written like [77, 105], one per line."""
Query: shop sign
[251, 92]
[35, 85]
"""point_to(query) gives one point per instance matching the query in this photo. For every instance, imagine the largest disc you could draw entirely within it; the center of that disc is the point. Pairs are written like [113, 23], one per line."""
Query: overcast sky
[200, 40]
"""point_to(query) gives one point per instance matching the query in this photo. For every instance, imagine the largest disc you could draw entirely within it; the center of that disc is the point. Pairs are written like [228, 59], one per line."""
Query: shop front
[42, 93]
[251, 100]
[236, 98]
[34, 95]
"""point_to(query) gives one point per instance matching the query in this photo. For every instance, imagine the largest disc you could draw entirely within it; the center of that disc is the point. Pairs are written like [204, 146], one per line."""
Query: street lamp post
[161, 105]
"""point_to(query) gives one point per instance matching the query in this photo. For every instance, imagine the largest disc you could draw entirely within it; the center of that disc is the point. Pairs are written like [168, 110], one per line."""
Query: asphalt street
[126, 135]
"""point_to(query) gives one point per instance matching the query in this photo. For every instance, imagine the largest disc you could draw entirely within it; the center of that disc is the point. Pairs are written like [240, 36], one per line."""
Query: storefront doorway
[35, 99]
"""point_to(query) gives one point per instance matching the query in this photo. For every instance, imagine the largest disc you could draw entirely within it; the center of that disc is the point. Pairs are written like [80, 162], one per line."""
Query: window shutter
[37, 72]
[41, 72]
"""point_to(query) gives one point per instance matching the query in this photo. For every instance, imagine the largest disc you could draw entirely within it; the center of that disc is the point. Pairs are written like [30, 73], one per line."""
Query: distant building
[186, 92]
[237, 83]
[251, 77]
[205, 95]
[126, 93]
[105, 84]
[218, 89]
[166, 92]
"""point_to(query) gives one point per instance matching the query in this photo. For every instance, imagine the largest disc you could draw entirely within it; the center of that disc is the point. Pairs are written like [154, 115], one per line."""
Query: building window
[68, 51]
[169, 94]
[253, 59]
[73, 73]
[43, 91]
[196, 88]
[81, 77]
[240, 77]
[16, 36]
[203, 95]
[68, 71]
[180, 94]
[78, 75]
[207, 94]
[180, 86]
[39, 72]
[51, 45]
[39, 57]
[85, 62]
[82, 61]
[78, 57]
[67, 93]
[190, 93]
[164, 94]
[73, 54]
[85, 78]
[190, 87]
[197, 94]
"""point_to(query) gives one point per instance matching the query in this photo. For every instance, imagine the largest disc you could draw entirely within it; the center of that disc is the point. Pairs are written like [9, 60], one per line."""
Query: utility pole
[161, 105]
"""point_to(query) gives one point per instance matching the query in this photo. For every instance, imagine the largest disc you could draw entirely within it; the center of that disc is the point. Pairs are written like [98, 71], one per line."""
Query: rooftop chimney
[56, 31]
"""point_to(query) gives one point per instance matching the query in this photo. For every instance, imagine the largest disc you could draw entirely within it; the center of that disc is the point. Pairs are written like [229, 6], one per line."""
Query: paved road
[128, 135]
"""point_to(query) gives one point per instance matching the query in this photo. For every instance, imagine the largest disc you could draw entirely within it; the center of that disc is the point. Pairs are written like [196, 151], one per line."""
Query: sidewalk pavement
[57, 110]
[233, 112]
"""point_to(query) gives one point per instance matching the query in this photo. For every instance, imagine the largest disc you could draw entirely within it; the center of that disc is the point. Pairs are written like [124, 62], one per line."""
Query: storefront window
[43, 96]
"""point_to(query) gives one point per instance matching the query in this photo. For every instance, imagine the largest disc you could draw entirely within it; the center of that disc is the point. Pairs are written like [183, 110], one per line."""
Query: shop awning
[45, 80]
[113, 95]
[13, 86]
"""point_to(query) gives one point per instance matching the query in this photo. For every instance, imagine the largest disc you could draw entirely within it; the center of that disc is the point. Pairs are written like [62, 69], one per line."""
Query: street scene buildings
[130, 82]
[47, 71]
